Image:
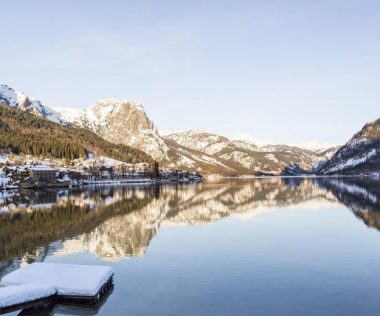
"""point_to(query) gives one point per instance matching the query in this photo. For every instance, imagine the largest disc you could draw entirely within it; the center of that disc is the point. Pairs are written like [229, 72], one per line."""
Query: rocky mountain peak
[8, 96]
[20, 100]
[370, 132]
[120, 122]
[112, 111]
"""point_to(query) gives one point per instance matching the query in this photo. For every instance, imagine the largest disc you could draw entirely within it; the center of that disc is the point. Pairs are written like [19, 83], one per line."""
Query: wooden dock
[47, 284]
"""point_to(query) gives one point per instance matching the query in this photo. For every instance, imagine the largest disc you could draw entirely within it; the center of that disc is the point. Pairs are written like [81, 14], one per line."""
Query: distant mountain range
[124, 122]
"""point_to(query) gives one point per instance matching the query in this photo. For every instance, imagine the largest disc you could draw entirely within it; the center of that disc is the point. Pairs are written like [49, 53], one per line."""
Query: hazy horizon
[283, 71]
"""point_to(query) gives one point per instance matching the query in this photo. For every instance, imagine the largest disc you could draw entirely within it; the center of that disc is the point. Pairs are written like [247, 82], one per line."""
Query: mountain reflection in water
[119, 222]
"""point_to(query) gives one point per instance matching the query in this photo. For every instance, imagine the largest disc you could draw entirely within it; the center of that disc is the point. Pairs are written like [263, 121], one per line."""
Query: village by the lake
[49, 173]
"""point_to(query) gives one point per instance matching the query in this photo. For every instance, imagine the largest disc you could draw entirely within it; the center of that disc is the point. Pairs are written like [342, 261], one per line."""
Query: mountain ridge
[127, 123]
[27, 133]
[19, 100]
[360, 155]
[195, 149]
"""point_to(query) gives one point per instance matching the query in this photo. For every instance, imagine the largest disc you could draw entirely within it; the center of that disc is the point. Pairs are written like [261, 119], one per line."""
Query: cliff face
[124, 122]
[361, 154]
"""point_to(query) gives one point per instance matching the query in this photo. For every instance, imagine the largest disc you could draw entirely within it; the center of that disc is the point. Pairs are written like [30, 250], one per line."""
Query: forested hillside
[22, 132]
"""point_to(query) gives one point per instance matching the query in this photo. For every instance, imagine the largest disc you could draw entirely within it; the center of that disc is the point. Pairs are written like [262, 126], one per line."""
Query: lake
[279, 246]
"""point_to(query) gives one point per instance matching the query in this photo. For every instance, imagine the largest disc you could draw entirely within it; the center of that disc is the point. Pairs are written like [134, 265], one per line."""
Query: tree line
[22, 132]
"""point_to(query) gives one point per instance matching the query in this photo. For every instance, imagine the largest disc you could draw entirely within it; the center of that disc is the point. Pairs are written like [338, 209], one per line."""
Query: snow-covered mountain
[247, 155]
[20, 100]
[126, 122]
[119, 122]
[201, 140]
[246, 144]
[361, 155]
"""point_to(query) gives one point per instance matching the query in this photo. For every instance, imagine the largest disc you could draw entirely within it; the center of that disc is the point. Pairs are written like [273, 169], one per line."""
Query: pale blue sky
[290, 71]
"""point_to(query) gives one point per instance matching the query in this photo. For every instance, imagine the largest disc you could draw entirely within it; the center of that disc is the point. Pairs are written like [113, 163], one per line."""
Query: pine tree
[156, 170]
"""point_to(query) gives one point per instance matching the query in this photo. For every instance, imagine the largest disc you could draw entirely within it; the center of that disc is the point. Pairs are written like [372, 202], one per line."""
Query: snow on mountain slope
[127, 123]
[20, 100]
[246, 144]
[246, 155]
[360, 155]
[218, 146]
[201, 140]
[68, 115]
[119, 122]
[260, 143]
[315, 146]
[8, 96]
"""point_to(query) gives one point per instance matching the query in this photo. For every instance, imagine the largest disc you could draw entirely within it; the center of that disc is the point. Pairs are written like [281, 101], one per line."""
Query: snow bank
[4, 180]
[68, 279]
[18, 294]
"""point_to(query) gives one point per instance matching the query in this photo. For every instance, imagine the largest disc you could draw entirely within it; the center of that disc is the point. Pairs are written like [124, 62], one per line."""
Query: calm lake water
[244, 247]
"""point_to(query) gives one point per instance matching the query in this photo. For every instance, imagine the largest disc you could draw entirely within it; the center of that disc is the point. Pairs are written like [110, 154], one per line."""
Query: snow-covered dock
[19, 295]
[70, 283]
